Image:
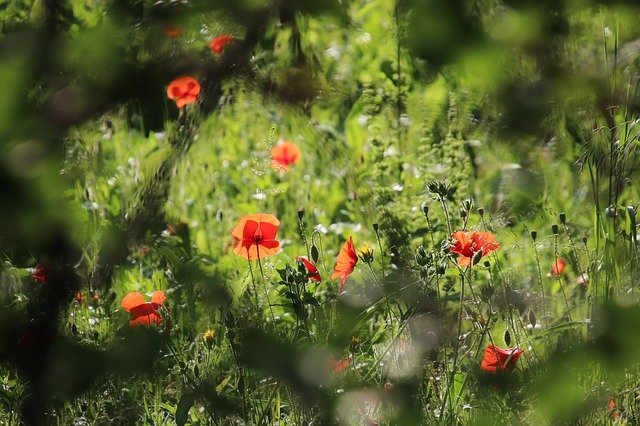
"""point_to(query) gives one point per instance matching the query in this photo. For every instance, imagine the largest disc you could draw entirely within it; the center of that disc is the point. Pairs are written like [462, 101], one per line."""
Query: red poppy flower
[468, 243]
[338, 366]
[347, 259]
[183, 90]
[40, 272]
[255, 236]
[613, 413]
[218, 43]
[311, 268]
[558, 267]
[496, 359]
[80, 298]
[173, 31]
[283, 155]
[143, 313]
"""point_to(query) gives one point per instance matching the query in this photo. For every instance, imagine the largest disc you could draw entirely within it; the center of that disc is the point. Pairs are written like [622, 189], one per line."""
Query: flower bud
[563, 218]
[425, 210]
[375, 227]
[584, 239]
[554, 229]
[481, 211]
[476, 257]
[534, 235]
[463, 213]
[209, 336]
[365, 254]
[610, 212]
[300, 214]
[315, 255]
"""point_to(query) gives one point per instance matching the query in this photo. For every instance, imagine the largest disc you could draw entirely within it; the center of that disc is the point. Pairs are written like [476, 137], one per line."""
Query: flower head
[144, 313]
[347, 260]
[172, 31]
[611, 409]
[496, 359]
[283, 155]
[40, 272]
[218, 43]
[311, 268]
[255, 236]
[208, 337]
[80, 297]
[558, 267]
[183, 90]
[338, 366]
[365, 253]
[468, 243]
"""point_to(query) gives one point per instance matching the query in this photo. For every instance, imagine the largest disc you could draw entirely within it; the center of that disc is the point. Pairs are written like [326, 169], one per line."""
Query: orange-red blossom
[144, 313]
[347, 259]
[468, 243]
[255, 236]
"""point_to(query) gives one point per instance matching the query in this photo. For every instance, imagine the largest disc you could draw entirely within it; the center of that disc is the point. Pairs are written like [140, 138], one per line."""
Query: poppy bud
[584, 239]
[300, 214]
[554, 229]
[375, 227]
[196, 371]
[486, 291]
[467, 204]
[476, 257]
[507, 337]
[315, 255]
[74, 329]
[534, 235]
[610, 212]
[563, 218]
[463, 213]
[487, 264]
[425, 210]
[481, 211]
[532, 318]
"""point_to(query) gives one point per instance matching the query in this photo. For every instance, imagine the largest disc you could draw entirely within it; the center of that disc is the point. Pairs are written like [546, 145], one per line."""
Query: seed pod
[476, 257]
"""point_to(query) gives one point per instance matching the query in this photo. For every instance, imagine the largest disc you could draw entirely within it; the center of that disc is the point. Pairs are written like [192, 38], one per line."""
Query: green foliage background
[415, 118]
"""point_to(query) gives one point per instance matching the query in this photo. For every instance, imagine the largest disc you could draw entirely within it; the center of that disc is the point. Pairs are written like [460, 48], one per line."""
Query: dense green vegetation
[480, 154]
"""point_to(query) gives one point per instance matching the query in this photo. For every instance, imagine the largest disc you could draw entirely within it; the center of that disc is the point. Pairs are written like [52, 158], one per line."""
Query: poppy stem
[559, 278]
[253, 283]
[454, 367]
[266, 292]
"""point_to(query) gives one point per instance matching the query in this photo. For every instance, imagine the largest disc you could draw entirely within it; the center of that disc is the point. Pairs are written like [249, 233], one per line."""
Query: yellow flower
[209, 337]
[365, 254]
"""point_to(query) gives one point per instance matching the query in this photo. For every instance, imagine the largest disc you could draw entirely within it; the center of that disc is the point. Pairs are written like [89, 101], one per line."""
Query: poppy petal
[132, 300]
[158, 297]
